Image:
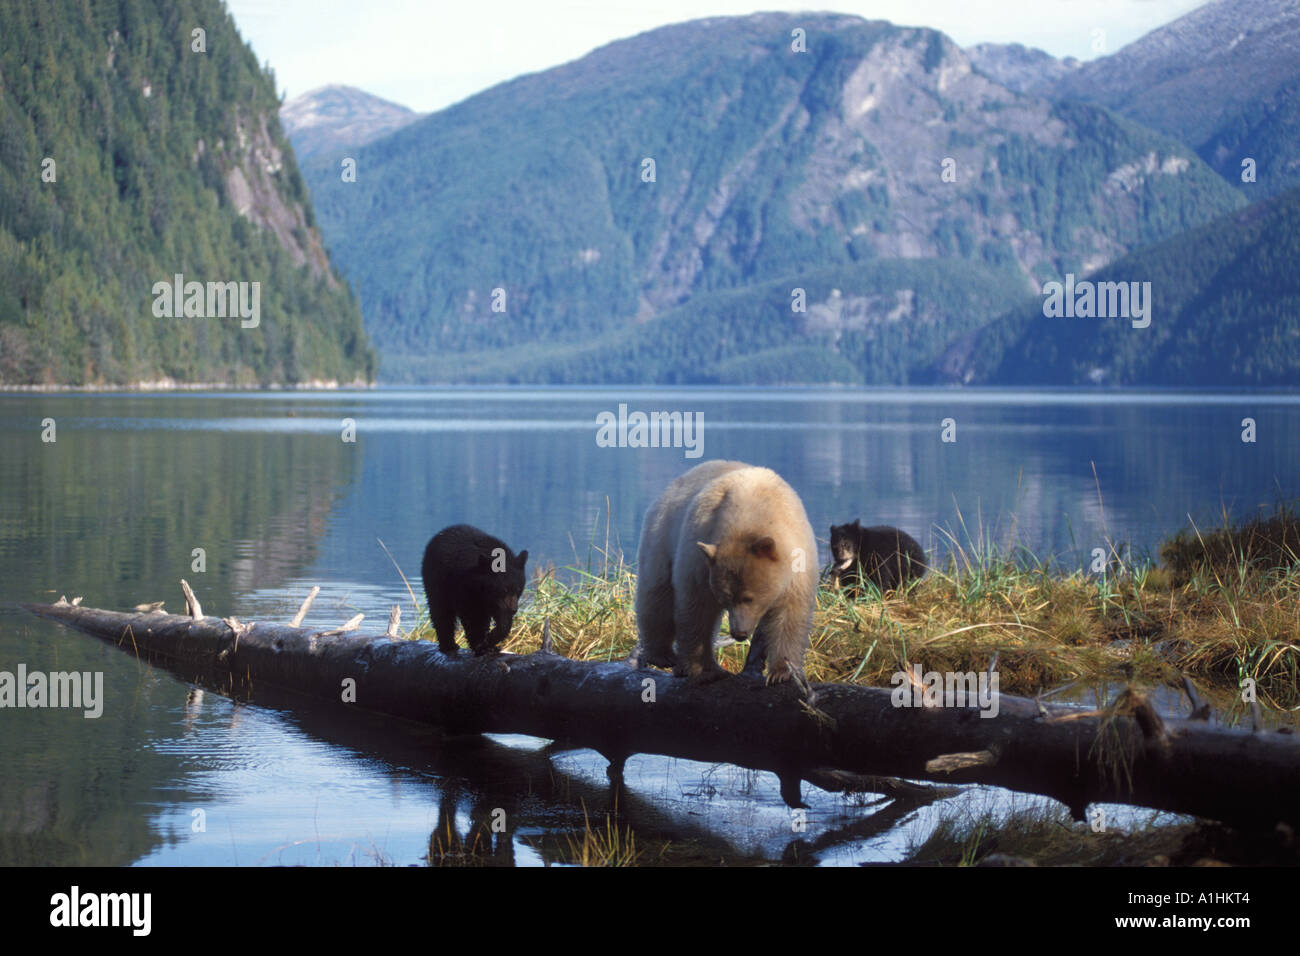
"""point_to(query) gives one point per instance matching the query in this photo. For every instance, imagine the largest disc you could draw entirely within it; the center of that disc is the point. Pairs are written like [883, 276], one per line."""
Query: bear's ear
[764, 548]
[710, 551]
[521, 558]
[857, 523]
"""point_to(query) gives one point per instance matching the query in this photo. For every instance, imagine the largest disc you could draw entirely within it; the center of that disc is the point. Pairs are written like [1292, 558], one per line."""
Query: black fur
[460, 582]
[887, 556]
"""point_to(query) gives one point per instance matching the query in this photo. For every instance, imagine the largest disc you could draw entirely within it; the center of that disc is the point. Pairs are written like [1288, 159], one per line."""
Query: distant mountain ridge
[1224, 79]
[1021, 68]
[855, 166]
[340, 118]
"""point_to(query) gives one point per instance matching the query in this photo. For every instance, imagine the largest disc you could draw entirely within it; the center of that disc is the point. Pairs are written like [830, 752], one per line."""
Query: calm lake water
[265, 485]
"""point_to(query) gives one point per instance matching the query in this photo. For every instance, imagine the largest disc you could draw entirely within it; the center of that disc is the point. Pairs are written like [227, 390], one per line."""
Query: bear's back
[458, 548]
[886, 540]
[752, 503]
[668, 513]
[722, 500]
[756, 500]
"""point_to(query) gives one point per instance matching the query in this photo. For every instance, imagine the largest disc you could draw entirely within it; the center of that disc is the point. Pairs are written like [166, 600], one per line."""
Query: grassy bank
[1218, 606]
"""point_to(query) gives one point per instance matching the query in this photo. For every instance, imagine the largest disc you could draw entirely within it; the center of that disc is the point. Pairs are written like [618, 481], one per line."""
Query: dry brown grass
[1047, 627]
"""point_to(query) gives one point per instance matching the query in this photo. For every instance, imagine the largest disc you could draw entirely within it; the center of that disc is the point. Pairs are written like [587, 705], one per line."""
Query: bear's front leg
[642, 656]
[476, 632]
[702, 674]
[496, 637]
[848, 580]
[445, 627]
[785, 640]
[491, 642]
[780, 672]
[695, 660]
[757, 655]
[783, 671]
[442, 615]
[654, 625]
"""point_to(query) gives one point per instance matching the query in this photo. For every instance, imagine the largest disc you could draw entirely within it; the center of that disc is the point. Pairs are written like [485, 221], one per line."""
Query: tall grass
[1267, 543]
[1231, 613]
[610, 845]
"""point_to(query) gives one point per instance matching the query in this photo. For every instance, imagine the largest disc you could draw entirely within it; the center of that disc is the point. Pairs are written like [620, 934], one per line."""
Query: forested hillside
[874, 323]
[1225, 311]
[140, 141]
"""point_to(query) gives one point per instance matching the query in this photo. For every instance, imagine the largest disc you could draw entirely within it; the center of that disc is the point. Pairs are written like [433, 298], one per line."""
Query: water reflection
[261, 491]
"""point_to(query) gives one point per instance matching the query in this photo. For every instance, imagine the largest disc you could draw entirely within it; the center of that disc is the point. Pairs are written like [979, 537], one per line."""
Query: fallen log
[1126, 754]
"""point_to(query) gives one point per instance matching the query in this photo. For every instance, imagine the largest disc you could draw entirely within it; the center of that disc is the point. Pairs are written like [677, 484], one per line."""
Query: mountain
[685, 174]
[1021, 68]
[134, 149]
[1224, 311]
[340, 119]
[1225, 79]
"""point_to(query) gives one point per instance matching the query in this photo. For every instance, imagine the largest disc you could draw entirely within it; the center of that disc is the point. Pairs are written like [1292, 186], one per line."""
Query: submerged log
[1123, 755]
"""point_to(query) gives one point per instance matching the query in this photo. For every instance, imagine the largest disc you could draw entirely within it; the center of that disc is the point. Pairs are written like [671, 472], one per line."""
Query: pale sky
[427, 55]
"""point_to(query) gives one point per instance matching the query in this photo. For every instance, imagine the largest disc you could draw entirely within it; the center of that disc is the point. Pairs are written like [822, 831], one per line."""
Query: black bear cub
[469, 574]
[887, 556]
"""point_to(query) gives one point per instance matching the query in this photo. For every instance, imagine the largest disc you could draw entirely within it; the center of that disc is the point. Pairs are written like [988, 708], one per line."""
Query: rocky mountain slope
[1021, 68]
[1225, 79]
[691, 172]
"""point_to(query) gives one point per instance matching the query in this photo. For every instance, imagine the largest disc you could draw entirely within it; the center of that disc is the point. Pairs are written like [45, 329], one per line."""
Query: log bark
[1126, 755]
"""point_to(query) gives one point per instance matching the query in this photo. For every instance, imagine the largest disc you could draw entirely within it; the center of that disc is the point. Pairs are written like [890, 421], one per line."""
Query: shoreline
[889, 394]
[170, 385]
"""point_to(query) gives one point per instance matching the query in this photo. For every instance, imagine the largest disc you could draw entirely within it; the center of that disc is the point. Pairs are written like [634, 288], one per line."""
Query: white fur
[725, 504]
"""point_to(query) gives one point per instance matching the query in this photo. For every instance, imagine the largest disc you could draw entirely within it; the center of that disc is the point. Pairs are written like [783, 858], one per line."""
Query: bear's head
[747, 576]
[845, 541]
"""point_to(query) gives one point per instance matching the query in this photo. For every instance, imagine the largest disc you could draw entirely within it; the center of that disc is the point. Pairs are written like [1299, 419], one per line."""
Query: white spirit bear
[731, 537]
